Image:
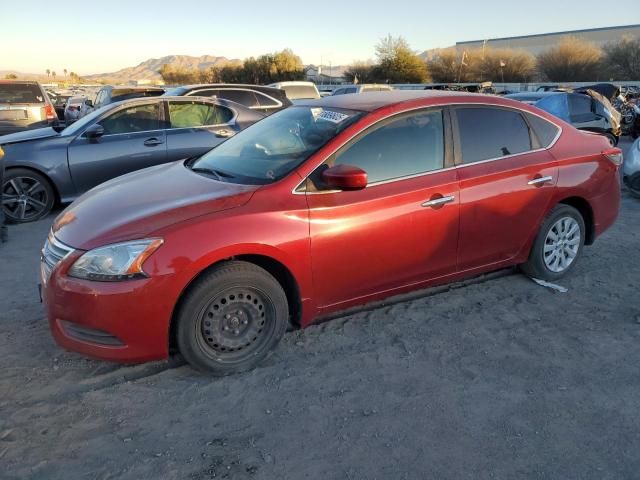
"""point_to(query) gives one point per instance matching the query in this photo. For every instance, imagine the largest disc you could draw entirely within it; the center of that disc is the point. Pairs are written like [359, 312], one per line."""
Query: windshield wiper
[212, 171]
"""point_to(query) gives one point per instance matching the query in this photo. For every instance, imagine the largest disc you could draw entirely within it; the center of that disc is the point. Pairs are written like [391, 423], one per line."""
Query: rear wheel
[613, 141]
[558, 245]
[26, 195]
[231, 318]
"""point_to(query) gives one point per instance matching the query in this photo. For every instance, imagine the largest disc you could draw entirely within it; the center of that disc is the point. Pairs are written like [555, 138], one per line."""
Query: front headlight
[112, 263]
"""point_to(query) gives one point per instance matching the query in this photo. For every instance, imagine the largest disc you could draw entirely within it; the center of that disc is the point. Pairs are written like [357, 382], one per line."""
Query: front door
[132, 140]
[506, 183]
[402, 229]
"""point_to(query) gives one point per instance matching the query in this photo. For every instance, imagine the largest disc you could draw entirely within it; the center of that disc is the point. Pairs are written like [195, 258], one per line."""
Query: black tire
[536, 266]
[613, 140]
[27, 196]
[231, 318]
[633, 185]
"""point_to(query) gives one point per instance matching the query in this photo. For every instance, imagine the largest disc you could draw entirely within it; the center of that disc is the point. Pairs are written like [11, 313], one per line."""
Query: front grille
[53, 252]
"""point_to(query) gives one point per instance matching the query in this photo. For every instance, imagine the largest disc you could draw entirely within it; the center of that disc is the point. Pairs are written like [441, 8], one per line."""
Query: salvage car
[362, 88]
[298, 90]
[46, 166]
[323, 206]
[110, 94]
[24, 105]
[266, 100]
[589, 112]
[631, 170]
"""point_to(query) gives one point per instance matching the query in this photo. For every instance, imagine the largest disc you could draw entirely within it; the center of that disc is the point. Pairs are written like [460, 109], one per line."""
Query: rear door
[402, 229]
[196, 127]
[133, 139]
[506, 180]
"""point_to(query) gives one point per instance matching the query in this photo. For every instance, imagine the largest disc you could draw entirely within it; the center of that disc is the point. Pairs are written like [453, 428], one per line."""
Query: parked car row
[322, 206]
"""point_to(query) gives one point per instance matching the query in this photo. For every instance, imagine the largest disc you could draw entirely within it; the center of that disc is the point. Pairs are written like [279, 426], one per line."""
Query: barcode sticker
[335, 117]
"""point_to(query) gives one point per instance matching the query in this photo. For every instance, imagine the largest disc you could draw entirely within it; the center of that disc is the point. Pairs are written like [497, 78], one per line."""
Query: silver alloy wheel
[24, 198]
[562, 244]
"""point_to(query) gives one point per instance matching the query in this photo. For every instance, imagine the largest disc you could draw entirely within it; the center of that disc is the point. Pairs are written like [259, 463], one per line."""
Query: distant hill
[148, 70]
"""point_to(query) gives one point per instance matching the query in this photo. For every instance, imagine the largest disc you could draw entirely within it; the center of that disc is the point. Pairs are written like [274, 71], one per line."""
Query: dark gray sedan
[46, 166]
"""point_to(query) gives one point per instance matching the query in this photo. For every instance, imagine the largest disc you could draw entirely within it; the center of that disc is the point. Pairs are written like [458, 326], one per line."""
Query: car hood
[28, 135]
[140, 203]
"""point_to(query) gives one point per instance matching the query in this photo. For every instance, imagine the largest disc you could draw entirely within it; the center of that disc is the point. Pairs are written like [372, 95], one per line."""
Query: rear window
[20, 93]
[300, 92]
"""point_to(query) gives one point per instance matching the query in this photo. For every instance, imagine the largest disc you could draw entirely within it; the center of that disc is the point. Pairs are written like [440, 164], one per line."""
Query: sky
[99, 37]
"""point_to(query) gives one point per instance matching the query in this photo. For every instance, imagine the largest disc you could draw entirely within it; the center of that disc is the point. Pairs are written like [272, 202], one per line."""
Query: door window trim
[532, 135]
[194, 93]
[448, 106]
[448, 153]
[161, 119]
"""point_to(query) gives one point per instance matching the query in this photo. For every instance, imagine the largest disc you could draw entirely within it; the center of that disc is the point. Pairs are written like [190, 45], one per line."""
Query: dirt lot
[500, 379]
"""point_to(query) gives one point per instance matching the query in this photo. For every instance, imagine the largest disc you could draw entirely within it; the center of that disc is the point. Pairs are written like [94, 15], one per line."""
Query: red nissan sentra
[325, 205]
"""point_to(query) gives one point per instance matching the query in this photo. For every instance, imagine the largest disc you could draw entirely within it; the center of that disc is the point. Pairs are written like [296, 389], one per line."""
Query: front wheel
[26, 195]
[231, 318]
[558, 245]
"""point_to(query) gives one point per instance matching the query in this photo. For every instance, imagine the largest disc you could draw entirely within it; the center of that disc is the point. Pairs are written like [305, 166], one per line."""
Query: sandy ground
[499, 379]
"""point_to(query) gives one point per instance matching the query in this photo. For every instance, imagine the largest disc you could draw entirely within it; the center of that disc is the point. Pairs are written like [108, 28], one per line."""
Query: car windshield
[270, 149]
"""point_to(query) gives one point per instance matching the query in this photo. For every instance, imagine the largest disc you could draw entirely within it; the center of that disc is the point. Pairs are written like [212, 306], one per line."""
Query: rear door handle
[540, 181]
[437, 202]
[152, 142]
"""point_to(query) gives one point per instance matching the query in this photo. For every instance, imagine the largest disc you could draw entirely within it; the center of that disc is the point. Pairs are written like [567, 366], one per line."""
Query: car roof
[370, 101]
[163, 98]
[225, 85]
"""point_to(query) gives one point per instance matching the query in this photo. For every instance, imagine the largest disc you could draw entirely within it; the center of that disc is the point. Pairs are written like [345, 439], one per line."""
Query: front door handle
[152, 142]
[540, 181]
[438, 202]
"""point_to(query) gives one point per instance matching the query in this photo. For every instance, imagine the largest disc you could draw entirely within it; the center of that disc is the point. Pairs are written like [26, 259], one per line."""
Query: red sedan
[325, 205]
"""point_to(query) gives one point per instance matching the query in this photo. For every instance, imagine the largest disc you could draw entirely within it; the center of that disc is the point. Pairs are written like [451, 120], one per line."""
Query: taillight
[613, 154]
[49, 112]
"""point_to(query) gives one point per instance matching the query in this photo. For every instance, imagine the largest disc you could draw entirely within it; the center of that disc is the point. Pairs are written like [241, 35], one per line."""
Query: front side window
[197, 114]
[139, 118]
[407, 145]
[487, 133]
[271, 148]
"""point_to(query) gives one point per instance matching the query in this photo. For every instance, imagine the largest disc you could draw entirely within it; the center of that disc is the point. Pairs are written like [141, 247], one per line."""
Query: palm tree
[48, 72]
[53, 74]
[65, 72]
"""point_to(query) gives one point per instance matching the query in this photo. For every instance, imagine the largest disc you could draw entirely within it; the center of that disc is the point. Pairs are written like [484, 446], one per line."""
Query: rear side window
[580, 108]
[487, 133]
[543, 129]
[196, 114]
[141, 118]
[243, 97]
[20, 93]
[399, 147]
[266, 101]
[351, 90]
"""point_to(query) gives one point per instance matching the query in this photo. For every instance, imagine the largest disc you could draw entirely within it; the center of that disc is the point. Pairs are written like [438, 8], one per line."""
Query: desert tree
[572, 60]
[397, 63]
[622, 59]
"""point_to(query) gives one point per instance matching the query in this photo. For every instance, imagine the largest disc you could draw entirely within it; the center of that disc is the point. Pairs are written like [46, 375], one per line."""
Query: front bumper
[119, 321]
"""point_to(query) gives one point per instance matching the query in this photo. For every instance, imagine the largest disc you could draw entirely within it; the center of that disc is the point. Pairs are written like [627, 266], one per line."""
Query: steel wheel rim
[561, 244]
[24, 198]
[235, 324]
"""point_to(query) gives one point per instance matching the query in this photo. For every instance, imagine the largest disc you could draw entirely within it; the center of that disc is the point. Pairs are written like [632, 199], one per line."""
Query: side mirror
[94, 132]
[345, 177]
[88, 103]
